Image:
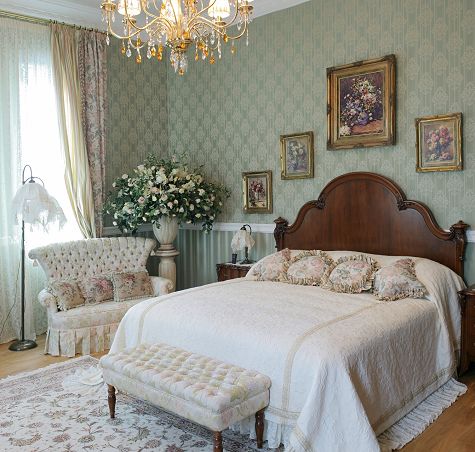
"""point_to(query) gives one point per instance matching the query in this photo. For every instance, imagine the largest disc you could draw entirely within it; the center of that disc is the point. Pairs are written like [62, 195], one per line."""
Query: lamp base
[247, 261]
[19, 346]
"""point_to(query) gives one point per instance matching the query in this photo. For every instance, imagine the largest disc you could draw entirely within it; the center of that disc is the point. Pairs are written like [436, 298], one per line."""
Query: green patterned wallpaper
[229, 116]
[137, 117]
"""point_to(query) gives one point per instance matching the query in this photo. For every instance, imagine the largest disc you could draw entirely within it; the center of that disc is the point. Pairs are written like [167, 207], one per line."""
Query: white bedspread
[343, 367]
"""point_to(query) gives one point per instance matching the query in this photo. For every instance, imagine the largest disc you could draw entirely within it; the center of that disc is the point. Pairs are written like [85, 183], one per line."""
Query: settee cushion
[131, 285]
[67, 294]
[97, 289]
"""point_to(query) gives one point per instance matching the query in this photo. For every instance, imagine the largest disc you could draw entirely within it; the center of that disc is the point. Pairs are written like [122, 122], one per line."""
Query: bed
[344, 367]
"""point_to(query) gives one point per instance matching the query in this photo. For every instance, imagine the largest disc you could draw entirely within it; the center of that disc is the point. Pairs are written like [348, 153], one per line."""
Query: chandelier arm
[201, 11]
[157, 18]
[198, 18]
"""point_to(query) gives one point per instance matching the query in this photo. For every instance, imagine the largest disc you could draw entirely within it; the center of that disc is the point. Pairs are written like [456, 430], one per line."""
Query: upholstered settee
[90, 328]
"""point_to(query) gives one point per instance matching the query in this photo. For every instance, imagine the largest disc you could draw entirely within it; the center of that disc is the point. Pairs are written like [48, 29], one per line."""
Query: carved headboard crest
[368, 212]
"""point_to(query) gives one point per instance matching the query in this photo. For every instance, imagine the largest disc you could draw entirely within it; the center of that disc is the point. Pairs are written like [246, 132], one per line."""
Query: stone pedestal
[166, 234]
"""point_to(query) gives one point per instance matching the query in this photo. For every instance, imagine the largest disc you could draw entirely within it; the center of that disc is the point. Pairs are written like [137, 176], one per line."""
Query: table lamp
[242, 240]
[32, 205]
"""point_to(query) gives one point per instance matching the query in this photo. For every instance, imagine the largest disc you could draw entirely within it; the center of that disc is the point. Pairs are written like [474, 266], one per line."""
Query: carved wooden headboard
[368, 212]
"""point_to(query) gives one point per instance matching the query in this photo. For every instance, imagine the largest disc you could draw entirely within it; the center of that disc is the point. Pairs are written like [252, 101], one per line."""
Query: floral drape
[93, 85]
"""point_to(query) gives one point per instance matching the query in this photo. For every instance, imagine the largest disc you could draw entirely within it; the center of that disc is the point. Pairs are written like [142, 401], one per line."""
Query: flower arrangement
[164, 187]
[361, 105]
[438, 144]
[296, 156]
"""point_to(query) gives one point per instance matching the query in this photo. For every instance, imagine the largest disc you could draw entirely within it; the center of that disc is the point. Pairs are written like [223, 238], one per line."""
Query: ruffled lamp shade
[35, 206]
[242, 240]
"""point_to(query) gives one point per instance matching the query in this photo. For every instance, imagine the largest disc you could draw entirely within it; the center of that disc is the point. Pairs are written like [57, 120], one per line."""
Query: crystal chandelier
[149, 25]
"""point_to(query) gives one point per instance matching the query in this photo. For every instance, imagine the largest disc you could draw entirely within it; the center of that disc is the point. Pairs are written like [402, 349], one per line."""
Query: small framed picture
[361, 99]
[257, 190]
[296, 155]
[439, 143]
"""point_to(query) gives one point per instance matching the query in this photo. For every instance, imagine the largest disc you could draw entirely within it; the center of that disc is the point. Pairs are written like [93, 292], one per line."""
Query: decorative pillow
[270, 268]
[352, 274]
[67, 294]
[397, 281]
[97, 289]
[129, 286]
[309, 268]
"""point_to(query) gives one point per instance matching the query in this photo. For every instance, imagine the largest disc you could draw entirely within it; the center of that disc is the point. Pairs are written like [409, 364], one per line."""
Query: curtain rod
[40, 21]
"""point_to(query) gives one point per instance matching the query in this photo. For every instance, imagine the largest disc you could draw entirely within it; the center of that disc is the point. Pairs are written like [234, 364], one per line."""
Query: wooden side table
[228, 270]
[467, 306]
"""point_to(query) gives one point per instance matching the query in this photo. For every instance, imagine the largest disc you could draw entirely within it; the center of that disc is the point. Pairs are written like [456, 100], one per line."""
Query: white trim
[263, 228]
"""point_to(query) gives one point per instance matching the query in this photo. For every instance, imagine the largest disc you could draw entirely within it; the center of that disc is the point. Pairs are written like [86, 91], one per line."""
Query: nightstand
[230, 271]
[467, 306]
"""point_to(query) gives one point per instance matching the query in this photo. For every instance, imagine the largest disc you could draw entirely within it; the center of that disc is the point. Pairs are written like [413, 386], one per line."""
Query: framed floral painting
[439, 143]
[361, 104]
[257, 190]
[296, 155]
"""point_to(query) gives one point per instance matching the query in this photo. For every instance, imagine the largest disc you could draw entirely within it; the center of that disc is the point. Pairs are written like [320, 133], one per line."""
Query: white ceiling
[87, 12]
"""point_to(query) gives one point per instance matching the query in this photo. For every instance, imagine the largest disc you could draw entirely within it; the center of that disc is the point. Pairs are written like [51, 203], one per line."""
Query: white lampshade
[133, 7]
[241, 239]
[220, 9]
[34, 205]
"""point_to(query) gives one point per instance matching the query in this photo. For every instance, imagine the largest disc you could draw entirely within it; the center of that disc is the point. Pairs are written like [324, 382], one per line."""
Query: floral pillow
[309, 268]
[133, 285]
[352, 274]
[67, 294]
[270, 268]
[97, 289]
[397, 281]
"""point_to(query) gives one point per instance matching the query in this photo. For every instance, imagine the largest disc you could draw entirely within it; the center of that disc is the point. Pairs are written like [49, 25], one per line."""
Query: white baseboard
[263, 228]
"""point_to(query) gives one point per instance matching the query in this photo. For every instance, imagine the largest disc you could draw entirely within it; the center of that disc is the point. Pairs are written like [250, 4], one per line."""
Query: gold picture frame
[257, 191]
[439, 143]
[361, 104]
[297, 156]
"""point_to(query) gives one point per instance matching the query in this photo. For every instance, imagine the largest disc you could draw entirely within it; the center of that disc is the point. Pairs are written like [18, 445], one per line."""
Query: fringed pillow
[67, 294]
[131, 285]
[352, 274]
[397, 281]
[309, 268]
[97, 289]
[270, 268]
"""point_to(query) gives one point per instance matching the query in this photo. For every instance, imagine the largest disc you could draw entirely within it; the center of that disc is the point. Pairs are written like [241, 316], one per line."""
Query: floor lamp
[32, 205]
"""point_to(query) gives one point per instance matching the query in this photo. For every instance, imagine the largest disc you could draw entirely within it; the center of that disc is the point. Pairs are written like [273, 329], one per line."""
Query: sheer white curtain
[28, 135]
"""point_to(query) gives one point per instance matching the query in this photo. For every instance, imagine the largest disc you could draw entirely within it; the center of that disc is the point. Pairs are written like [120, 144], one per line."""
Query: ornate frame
[245, 179]
[369, 213]
[457, 118]
[311, 156]
[388, 137]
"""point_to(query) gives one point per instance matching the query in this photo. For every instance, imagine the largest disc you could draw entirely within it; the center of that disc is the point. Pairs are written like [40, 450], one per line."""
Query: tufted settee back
[84, 258]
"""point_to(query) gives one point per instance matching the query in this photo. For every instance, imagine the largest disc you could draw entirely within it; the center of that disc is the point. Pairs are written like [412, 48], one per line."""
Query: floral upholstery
[131, 285]
[97, 289]
[90, 328]
[352, 274]
[201, 389]
[67, 293]
[270, 268]
[397, 281]
[309, 268]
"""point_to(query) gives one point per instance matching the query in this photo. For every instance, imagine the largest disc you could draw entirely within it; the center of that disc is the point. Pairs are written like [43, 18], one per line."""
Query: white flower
[154, 198]
[181, 210]
[197, 200]
[181, 191]
[198, 215]
[170, 204]
[114, 223]
[345, 131]
[114, 184]
[125, 176]
[164, 197]
[141, 168]
[176, 201]
[154, 189]
[192, 207]
[201, 192]
[141, 200]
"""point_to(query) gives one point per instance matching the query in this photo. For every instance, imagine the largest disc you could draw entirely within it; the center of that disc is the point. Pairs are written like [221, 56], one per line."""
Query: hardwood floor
[453, 431]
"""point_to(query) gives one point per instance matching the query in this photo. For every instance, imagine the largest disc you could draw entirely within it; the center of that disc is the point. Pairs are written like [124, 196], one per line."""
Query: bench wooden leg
[111, 400]
[260, 428]
[218, 442]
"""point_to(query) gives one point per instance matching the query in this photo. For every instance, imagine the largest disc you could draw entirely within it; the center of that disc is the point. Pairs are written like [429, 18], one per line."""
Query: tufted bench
[201, 389]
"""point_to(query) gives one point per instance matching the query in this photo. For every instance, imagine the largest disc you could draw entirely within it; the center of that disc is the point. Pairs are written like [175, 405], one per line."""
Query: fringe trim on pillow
[327, 260]
[366, 282]
[412, 293]
[260, 266]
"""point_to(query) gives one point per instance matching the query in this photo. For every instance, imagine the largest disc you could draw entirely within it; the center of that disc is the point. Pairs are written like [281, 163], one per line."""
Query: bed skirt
[82, 340]
[395, 437]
